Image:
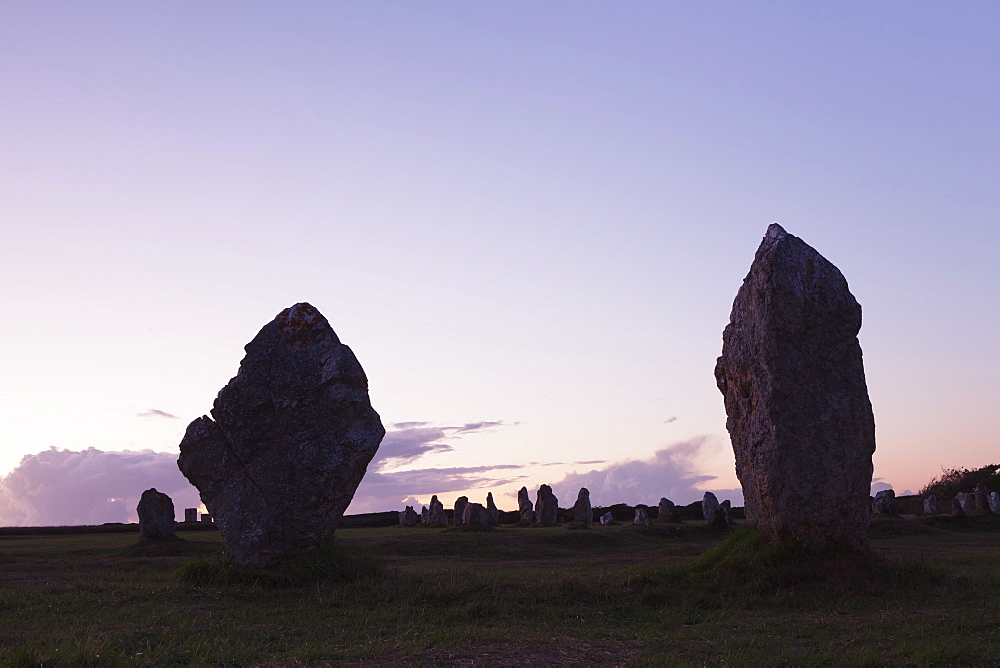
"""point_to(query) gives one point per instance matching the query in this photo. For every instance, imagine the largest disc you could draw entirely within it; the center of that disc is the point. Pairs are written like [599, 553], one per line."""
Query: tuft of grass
[330, 563]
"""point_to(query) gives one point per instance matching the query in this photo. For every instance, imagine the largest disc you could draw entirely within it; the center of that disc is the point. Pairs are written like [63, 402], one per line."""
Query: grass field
[516, 596]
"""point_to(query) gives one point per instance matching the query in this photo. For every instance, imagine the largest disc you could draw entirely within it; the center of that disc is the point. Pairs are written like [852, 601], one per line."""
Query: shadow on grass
[331, 563]
[174, 547]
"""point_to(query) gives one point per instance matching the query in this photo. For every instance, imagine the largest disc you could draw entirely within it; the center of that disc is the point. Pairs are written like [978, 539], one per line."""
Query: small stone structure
[424, 514]
[524, 507]
[885, 502]
[546, 507]
[492, 512]
[641, 517]
[409, 517]
[981, 497]
[156, 515]
[190, 515]
[206, 518]
[475, 516]
[967, 502]
[436, 517]
[930, 505]
[459, 514]
[608, 518]
[956, 507]
[716, 515]
[668, 511]
[582, 511]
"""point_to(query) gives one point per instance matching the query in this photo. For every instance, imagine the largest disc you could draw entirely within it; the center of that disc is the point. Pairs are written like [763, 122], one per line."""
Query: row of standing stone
[980, 500]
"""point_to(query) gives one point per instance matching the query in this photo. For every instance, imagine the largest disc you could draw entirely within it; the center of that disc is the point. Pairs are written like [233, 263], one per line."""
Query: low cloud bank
[668, 473]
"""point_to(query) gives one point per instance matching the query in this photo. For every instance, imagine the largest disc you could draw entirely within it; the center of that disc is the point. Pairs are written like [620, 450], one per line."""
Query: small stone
[582, 512]
[459, 514]
[409, 517]
[930, 505]
[546, 507]
[994, 501]
[668, 511]
[641, 517]
[492, 512]
[424, 515]
[957, 510]
[715, 514]
[436, 517]
[475, 516]
[524, 508]
[981, 497]
[608, 518]
[968, 504]
[156, 515]
[190, 515]
[885, 502]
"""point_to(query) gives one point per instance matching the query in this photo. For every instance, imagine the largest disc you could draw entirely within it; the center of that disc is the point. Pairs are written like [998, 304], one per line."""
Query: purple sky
[530, 214]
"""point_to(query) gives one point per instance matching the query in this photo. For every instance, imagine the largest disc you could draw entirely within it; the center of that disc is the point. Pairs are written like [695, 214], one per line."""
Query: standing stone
[668, 511]
[956, 507]
[546, 507]
[967, 503]
[608, 518]
[156, 515]
[492, 512]
[190, 515]
[207, 519]
[460, 504]
[424, 515]
[994, 501]
[524, 508]
[582, 512]
[981, 498]
[475, 516]
[291, 438]
[885, 502]
[436, 517]
[930, 505]
[797, 403]
[641, 517]
[409, 517]
[716, 515]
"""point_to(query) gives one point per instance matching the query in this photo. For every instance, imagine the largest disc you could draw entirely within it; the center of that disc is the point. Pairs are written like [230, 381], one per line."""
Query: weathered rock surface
[798, 411]
[994, 501]
[930, 505]
[409, 517]
[475, 516]
[546, 507]
[981, 497]
[156, 515]
[524, 507]
[436, 517]
[885, 502]
[668, 511]
[492, 512]
[459, 514]
[641, 517]
[424, 515]
[967, 502]
[608, 518]
[582, 511]
[288, 442]
[716, 515]
[957, 509]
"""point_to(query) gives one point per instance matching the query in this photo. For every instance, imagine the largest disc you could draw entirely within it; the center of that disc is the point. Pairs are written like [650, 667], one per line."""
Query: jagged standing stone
[460, 504]
[546, 507]
[641, 517]
[668, 511]
[968, 504]
[885, 502]
[436, 517]
[492, 512]
[156, 515]
[930, 505]
[288, 442]
[608, 518]
[582, 511]
[424, 515]
[475, 516]
[715, 514]
[409, 517]
[524, 507]
[797, 403]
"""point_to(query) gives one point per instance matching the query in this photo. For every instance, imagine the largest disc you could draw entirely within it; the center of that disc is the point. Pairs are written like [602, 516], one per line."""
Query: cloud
[412, 440]
[62, 487]
[156, 412]
[668, 473]
[670, 419]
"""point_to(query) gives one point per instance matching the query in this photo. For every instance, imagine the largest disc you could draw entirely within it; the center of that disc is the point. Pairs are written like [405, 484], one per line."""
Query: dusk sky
[527, 219]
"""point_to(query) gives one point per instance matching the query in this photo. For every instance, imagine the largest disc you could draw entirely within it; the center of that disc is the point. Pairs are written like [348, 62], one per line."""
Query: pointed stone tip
[776, 231]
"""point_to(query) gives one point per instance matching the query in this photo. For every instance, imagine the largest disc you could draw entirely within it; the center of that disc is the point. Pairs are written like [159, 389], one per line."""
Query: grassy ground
[517, 596]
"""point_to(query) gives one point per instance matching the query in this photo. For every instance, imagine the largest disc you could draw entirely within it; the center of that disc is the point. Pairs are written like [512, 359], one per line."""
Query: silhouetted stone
[424, 515]
[190, 515]
[957, 510]
[608, 518]
[291, 438]
[994, 501]
[492, 512]
[981, 499]
[582, 512]
[716, 515]
[546, 507]
[967, 502]
[524, 507]
[207, 519]
[475, 516]
[641, 517]
[156, 515]
[930, 505]
[436, 517]
[409, 517]
[798, 411]
[459, 514]
[885, 502]
[668, 511]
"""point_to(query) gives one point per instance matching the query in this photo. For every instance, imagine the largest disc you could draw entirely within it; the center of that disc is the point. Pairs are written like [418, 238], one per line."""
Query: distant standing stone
[981, 498]
[546, 507]
[475, 516]
[608, 518]
[424, 515]
[798, 411]
[524, 507]
[668, 511]
[460, 504]
[885, 502]
[409, 517]
[641, 517]
[957, 509]
[492, 512]
[156, 515]
[190, 515]
[994, 501]
[582, 512]
[436, 517]
[288, 442]
[930, 505]
[715, 514]
[968, 504]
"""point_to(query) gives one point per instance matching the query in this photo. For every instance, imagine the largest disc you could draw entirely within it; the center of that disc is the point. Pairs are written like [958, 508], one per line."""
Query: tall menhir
[798, 411]
[288, 442]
